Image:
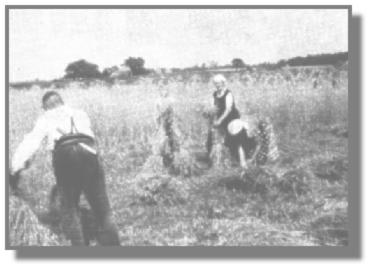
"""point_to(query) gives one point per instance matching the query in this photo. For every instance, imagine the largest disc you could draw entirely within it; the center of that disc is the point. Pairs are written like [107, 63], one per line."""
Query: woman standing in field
[248, 139]
[226, 110]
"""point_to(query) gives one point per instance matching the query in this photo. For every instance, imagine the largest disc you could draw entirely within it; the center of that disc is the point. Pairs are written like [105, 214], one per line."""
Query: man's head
[220, 82]
[51, 100]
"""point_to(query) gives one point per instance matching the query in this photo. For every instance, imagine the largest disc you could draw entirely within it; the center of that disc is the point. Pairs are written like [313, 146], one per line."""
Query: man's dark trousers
[78, 170]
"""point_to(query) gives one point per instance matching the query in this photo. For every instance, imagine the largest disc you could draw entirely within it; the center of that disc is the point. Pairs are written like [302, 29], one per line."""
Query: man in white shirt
[76, 166]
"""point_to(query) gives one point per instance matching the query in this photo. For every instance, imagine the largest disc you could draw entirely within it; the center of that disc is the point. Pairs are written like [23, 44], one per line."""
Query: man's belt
[77, 138]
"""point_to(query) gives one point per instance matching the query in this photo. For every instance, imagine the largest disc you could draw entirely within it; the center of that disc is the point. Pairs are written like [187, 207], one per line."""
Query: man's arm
[229, 104]
[28, 147]
[242, 158]
[254, 155]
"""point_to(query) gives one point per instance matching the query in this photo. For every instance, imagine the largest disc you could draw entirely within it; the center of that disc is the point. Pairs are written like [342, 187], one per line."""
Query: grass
[300, 201]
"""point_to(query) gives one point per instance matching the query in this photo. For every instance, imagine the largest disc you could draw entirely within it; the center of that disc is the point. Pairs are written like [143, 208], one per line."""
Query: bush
[82, 69]
[136, 65]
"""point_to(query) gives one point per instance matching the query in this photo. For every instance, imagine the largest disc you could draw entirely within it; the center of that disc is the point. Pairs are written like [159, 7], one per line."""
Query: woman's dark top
[220, 103]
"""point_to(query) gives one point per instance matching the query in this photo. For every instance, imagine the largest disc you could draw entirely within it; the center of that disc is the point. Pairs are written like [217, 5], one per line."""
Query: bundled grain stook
[25, 229]
[169, 144]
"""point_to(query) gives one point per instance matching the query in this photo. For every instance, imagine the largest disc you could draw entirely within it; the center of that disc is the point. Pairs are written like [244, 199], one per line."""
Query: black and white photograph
[169, 126]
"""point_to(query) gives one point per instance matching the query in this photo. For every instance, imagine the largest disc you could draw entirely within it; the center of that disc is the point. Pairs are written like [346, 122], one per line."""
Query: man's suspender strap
[74, 131]
[73, 126]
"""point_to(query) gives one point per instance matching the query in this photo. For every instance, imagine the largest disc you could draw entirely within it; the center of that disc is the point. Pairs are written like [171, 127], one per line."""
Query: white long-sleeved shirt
[52, 124]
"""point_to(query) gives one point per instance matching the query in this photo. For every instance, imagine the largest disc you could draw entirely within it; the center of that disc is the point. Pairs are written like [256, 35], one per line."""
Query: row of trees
[132, 66]
[335, 59]
[83, 69]
[135, 66]
[319, 59]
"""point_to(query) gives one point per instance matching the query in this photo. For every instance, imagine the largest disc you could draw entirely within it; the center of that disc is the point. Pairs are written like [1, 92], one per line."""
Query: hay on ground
[160, 190]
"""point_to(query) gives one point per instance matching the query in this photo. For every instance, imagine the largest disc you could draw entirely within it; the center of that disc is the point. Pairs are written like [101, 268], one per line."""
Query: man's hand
[247, 167]
[251, 163]
[244, 165]
[216, 123]
[14, 178]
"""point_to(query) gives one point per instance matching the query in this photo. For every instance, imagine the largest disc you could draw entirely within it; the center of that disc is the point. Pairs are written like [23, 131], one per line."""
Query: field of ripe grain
[299, 201]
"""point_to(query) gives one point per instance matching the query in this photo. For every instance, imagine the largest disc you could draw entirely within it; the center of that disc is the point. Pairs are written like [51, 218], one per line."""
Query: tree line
[136, 65]
[334, 59]
[82, 69]
[86, 70]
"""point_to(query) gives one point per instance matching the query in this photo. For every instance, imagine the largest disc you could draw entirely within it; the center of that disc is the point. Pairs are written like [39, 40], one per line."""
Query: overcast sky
[43, 42]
